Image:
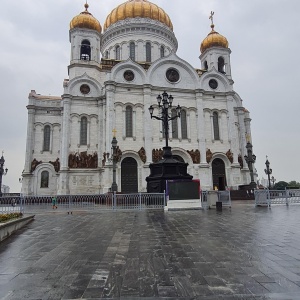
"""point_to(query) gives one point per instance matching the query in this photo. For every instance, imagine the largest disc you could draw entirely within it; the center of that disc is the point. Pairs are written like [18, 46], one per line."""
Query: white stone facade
[111, 97]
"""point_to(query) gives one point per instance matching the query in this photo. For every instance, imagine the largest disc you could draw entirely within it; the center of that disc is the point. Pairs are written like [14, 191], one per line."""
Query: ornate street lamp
[114, 145]
[164, 103]
[168, 168]
[250, 159]
[268, 171]
[2, 172]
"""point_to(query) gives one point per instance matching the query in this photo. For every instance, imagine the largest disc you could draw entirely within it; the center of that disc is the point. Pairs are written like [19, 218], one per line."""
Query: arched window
[216, 126]
[106, 54]
[162, 51]
[174, 125]
[85, 50]
[118, 54]
[221, 65]
[184, 133]
[148, 52]
[132, 51]
[45, 179]
[205, 65]
[47, 131]
[83, 131]
[129, 127]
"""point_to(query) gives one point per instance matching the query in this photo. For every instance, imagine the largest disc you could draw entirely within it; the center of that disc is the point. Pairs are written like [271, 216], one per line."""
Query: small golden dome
[85, 20]
[138, 9]
[213, 39]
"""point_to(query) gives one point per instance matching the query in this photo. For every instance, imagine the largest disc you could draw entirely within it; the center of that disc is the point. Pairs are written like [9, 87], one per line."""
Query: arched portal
[129, 175]
[219, 174]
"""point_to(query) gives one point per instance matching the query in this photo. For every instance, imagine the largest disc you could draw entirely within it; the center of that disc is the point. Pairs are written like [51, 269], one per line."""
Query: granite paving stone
[238, 253]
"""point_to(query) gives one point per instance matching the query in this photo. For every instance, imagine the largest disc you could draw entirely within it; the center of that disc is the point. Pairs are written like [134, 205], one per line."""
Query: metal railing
[209, 198]
[70, 203]
[269, 197]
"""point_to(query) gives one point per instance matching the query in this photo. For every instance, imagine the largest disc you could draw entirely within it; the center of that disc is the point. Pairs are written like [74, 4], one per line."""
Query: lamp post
[268, 171]
[114, 144]
[250, 159]
[273, 181]
[2, 172]
[164, 103]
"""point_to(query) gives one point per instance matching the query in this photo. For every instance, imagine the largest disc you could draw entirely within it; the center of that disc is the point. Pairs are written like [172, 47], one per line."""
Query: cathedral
[115, 74]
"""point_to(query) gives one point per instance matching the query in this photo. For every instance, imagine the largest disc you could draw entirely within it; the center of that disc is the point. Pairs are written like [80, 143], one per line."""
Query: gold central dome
[85, 20]
[213, 39]
[138, 9]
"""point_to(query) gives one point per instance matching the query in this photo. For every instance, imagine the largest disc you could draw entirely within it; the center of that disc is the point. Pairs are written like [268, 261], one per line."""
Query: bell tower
[215, 52]
[85, 38]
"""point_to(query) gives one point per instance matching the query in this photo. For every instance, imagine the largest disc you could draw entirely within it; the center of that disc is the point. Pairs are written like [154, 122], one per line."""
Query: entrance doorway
[218, 173]
[129, 175]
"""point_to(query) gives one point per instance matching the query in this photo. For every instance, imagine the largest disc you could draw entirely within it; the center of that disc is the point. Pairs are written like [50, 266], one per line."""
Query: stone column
[201, 129]
[233, 131]
[110, 114]
[30, 139]
[148, 124]
[64, 150]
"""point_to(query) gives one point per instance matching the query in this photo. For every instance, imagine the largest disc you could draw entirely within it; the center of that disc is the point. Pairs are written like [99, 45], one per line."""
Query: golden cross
[212, 17]
[114, 131]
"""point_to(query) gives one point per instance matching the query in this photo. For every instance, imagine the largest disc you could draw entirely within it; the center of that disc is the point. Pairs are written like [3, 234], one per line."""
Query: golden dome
[213, 39]
[85, 20]
[135, 9]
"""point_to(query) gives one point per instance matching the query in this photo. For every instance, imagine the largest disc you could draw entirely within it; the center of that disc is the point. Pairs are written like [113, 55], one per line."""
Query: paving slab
[238, 253]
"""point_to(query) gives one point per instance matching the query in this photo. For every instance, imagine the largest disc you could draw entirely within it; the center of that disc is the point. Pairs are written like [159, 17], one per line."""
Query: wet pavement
[239, 253]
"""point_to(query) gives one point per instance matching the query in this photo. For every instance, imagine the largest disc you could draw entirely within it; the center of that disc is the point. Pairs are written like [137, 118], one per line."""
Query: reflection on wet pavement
[242, 253]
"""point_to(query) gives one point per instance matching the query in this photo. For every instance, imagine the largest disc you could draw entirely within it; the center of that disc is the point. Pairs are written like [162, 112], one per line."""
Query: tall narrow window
[205, 65]
[162, 51]
[132, 51]
[184, 133]
[174, 125]
[118, 54]
[85, 50]
[129, 131]
[47, 130]
[148, 52]
[106, 54]
[216, 126]
[83, 131]
[45, 179]
[221, 65]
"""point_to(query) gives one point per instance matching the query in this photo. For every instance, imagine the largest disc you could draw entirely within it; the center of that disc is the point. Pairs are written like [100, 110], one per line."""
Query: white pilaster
[147, 124]
[201, 128]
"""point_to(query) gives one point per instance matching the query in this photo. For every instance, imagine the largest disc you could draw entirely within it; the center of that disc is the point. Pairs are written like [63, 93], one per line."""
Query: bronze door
[219, 175]
[129, 176]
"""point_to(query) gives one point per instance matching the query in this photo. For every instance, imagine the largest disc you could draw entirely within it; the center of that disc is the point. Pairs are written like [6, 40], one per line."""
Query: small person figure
[54, 201]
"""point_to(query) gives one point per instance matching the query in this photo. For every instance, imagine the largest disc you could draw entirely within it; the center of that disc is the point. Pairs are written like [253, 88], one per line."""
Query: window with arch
[118, 53]
[216, 126]
[132, 51]
[162, 51]
[106, 54]
[184, 133]
[174, 124]
[221, 65]
[148, 52]
[83, 131]
[47, 132]
[129, 121]
[85, 50]
[205, 65]
[45, 179]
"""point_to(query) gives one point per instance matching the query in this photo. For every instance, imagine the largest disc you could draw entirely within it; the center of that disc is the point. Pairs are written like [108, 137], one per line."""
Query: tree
[280, 185]
[294, 184]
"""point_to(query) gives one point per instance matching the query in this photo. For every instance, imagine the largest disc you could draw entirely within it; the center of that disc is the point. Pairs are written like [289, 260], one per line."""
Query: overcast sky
[263, 36]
